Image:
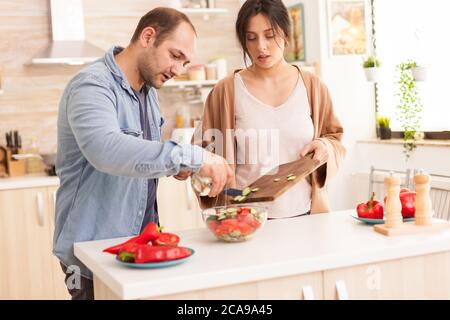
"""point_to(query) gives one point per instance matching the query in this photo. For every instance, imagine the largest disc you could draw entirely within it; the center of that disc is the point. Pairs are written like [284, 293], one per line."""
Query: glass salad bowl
[235, 223]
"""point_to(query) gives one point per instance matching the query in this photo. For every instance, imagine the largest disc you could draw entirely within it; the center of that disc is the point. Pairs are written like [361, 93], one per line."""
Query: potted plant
[371, 68]
[410, 106]
[383, 124]
[419, 72]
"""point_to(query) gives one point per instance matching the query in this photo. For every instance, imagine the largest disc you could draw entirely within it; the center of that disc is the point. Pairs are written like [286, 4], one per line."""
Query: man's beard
[148, 73]
[149, 78]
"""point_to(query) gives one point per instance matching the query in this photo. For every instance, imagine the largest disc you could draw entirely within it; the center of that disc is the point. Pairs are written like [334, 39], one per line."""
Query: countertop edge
[105, 278]
[290, 269]
[255, 273]
[28, 182]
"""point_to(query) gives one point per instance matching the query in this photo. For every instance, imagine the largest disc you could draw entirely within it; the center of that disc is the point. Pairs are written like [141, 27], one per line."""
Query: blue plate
[154, 265]
[376, 221]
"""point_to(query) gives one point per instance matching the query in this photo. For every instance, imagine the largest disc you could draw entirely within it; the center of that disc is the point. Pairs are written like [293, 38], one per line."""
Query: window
[415, 30]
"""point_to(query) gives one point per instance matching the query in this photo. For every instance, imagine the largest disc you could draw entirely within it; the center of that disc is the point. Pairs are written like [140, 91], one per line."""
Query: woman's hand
[319, 149]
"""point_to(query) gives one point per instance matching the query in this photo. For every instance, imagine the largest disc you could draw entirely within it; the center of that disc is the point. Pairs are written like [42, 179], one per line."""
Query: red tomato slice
[244, 228]
[229, 222]
[244, 211]
[250, 220]
[222, 230]
[213, 224]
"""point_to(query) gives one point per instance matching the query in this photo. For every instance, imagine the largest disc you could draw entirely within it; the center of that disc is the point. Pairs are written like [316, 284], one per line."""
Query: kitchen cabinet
[26, 232]
[298, 287]
[419, 278]
[59, 287]
[177, 205]
[27, 217]
[25, 245]
[423, 277]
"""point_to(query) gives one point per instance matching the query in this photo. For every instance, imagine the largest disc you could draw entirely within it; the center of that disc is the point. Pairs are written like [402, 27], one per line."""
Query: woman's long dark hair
[274, 10]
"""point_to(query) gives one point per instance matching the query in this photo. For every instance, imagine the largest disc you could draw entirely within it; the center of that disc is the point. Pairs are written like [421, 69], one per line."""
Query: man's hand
[319, 149]
[218, 170]
[183, 175]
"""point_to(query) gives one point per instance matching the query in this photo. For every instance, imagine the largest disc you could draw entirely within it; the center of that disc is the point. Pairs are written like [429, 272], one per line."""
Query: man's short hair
[163, 20]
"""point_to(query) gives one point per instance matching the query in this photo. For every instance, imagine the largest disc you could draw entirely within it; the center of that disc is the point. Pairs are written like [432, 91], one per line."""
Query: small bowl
[235, 223]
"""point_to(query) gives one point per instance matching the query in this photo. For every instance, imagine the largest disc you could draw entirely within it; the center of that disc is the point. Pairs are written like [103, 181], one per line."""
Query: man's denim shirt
[103, 162]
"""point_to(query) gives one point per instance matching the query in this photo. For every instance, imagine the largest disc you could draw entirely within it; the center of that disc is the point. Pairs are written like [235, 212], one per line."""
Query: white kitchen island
[323, 256]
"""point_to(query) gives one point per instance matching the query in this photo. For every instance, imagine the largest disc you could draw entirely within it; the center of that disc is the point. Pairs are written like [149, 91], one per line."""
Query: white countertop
[28, 182]
[282, 248]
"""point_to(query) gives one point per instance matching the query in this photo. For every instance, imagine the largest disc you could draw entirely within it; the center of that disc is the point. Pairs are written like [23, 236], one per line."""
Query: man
[109, 149]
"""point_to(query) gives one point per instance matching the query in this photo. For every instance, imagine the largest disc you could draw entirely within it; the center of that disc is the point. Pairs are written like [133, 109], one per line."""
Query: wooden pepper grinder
[423, 201]
[393, 205]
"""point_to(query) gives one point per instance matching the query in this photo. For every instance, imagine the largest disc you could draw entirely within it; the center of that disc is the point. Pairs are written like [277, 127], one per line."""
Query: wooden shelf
[203, 11]
[422, 142]
[105, 13]
[181, 84]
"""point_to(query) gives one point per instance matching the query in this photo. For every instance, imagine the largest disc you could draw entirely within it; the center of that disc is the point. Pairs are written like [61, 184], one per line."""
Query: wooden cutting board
[269, 189]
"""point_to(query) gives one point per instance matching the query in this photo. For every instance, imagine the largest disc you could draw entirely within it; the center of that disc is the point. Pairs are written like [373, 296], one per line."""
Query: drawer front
[299, 287]
[422, 277]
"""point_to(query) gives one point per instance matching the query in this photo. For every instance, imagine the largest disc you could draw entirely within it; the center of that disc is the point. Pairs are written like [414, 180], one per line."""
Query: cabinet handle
[53, 217]
[308, 293]
[54, 199]
[40, 204]
[189, 195]
[341, 290]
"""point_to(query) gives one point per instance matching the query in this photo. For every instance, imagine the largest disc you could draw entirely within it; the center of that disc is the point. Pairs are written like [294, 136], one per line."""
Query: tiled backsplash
[31, 93]
[171, 101]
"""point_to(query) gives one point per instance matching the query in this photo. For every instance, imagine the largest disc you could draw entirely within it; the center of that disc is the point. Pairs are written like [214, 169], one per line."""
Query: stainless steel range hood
[68, 44]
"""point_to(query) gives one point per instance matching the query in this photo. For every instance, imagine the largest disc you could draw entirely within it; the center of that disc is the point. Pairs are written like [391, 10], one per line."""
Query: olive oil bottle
[33, 165]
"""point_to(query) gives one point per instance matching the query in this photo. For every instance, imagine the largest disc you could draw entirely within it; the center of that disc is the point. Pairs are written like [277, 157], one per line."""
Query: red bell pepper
[166, 239]
[150, 233]
[372, 209]
[127, 252]
[143, 253]
[159, 254]
[408, 200]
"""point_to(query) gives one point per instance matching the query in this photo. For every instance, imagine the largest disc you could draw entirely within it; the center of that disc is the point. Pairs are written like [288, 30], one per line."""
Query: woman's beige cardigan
[219, 113]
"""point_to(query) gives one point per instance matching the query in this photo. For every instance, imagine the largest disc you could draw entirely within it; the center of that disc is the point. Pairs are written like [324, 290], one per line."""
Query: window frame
[428, 135]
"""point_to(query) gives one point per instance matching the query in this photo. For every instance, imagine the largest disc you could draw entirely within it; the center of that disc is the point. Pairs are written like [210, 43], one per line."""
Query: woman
[272, 96]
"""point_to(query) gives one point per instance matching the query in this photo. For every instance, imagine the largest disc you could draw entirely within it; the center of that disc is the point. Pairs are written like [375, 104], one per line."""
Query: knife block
[2, 162]
[14, 168]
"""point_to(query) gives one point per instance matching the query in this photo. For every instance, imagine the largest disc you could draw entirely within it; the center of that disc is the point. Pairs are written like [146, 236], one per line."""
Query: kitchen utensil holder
[14, 168]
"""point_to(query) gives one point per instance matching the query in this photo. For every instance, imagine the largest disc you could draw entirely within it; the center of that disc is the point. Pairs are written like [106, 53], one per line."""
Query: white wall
[430, 158]
[352, 95]
[353, 99]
